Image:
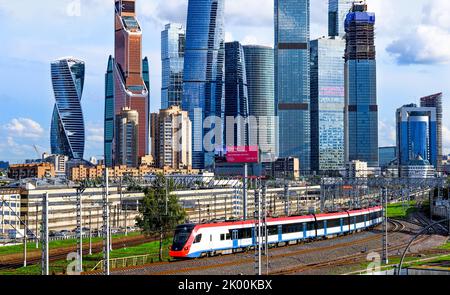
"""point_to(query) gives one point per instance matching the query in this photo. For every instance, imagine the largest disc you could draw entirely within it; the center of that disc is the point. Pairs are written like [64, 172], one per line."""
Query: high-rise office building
[337, 12]
[259, 66]
[127, 137]
[129, 80]
[387, 154]
[361, 109]
[327, 104]
[109, 114]
[435, 101]
[236, 96]
[203, 87]
[67, 134]
[171, 138]
[292, 79]
[416, 134]
[172, 56]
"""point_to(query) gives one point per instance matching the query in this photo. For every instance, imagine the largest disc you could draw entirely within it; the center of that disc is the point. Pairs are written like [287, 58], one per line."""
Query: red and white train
[198, 240]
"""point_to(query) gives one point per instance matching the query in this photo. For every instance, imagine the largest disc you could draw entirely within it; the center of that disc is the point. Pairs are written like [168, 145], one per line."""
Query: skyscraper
[361, 109]
[172, 56]
[236, 96]
[292, 79]
[416, 134]
[337, 12]
[127, 137]
[67, 132]
[109, 113]
[203, 87]
[435, 101]
[130, 80]
[259, 66]
[327, 104]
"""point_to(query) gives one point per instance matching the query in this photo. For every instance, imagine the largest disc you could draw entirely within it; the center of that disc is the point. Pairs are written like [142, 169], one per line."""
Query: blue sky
[413, 54]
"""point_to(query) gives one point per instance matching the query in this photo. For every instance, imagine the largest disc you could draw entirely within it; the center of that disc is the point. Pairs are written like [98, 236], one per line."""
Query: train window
[360, 219]
[272, 230]
[334, 223]
[345, 221]
[320, 225]
[292, 228]
[198, 238]
[245, 233]
[224, 237]
[310, 226]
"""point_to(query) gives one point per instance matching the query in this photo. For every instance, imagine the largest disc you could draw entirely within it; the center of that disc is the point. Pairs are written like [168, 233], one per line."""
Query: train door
[304, 231]
[342, 224]
[324, 227]
[234, 237]
[280, 233]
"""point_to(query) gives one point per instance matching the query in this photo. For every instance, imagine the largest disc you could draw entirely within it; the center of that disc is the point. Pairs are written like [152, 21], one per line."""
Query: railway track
[396, 226]
[61, 254]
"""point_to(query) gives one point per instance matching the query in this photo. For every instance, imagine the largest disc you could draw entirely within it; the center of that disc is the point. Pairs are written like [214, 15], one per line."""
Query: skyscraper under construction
[361, 109]
[126, 82]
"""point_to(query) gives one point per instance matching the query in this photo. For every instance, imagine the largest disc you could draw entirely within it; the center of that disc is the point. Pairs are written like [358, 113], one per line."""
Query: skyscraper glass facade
[259, 66]
[361, 109]
[292, 79]
[236, 96]
[172, 57]
[435, 101]
[337, 12]
[130, 85]
[416, 134]
[203, 87]
[109, 113]
[327, 104]
[387, 155]
[67, 134]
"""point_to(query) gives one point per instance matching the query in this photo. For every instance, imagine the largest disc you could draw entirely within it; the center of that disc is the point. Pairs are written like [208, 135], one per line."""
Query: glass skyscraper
[361, 109]
[259, 65]
[127, 82]
[67, 134]
[203, 87]
[172, 56]
[416, 134]
[236, 96]
[435, 101]
[292, 79]
[387, 154]
[337, 12]
[327, 104]
[109, 113]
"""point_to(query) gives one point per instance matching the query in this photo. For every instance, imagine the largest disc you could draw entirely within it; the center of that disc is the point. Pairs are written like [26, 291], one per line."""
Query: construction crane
[37, 151]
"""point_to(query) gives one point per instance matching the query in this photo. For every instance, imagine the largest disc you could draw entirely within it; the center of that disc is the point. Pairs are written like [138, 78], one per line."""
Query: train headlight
[186, 248]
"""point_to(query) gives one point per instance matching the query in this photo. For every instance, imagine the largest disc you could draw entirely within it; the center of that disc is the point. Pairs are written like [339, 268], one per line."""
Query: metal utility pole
[126, 223]
[90, 231]
[264, 220]
[106, 233]
[167, 194]
[44, 235]
[384, 203]
[199, 212]
[244, 193]
[36, 229]
[258, 244]
[3, 215]
[286, 198]
[25, 243]
[79, 209]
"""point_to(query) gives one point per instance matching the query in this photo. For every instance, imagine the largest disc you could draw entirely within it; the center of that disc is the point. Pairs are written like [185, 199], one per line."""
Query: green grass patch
[445, 246]
[90, 261]
[401, 210]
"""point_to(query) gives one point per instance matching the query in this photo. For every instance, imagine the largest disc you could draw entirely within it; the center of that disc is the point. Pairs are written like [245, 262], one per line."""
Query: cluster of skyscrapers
[315, 100]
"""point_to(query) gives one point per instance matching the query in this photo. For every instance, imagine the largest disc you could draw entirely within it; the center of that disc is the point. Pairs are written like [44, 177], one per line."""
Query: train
[211, 239]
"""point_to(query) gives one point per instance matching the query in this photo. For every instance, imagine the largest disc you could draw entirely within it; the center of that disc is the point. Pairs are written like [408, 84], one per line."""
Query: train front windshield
[182, 234]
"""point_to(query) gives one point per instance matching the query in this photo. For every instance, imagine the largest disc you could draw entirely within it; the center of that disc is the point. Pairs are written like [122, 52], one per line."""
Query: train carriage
[198, 240]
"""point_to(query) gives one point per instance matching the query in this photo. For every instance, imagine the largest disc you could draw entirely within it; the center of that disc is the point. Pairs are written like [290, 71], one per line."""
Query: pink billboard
[242, 154]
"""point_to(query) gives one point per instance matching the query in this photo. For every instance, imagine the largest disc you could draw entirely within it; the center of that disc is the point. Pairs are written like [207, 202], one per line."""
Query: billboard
[242, 154]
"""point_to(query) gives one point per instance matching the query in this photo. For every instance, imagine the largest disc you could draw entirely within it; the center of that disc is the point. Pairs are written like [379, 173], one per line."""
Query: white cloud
[386, 134]
[10, 146]
[428, 41]
[94, 133]
[446, 139]
[24, 128]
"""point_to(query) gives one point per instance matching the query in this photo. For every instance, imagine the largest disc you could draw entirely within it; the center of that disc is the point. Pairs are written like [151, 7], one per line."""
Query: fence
[124, 262]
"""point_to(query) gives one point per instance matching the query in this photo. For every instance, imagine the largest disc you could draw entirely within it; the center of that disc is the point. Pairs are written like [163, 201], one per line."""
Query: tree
[160, 212]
